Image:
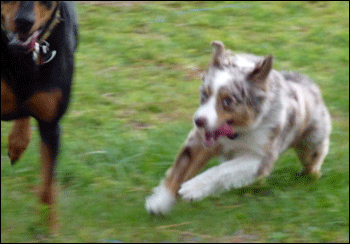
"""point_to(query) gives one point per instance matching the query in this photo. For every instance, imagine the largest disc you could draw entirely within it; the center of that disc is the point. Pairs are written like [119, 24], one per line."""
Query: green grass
[135, 90]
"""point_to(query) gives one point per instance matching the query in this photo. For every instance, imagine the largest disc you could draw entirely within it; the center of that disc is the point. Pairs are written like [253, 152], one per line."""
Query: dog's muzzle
[224, 130]
[21, 42]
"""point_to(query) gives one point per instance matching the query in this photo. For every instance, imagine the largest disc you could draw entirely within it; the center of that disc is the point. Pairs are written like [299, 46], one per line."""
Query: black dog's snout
[25, 18]
[24, 25]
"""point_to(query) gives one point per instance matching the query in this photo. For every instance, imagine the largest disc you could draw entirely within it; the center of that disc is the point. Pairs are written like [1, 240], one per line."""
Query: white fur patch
[208, 110]
[234, 173]
[161, 201]
[243, 63]
[221, 79]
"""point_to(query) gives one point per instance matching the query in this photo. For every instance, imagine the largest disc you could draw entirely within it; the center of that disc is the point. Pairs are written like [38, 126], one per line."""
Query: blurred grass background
[136, 87]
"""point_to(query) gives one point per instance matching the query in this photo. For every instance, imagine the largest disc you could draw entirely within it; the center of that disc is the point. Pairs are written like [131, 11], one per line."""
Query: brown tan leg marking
[189, 161]
[8, 99]
[19, 138]
[48, 191]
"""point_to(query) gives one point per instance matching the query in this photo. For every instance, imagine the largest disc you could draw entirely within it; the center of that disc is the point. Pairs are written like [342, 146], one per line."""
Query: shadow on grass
[282, 179]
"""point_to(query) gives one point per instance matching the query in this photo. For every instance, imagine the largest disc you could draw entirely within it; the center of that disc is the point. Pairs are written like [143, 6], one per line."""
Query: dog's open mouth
[224, 130]
[24, 41]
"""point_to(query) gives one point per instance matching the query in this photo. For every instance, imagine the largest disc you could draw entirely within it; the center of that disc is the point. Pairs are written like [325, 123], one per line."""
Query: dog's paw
[161, 201]
[195, 189]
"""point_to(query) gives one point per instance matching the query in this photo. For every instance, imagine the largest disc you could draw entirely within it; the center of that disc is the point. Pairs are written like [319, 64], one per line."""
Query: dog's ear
[261, 71]
[219, 50]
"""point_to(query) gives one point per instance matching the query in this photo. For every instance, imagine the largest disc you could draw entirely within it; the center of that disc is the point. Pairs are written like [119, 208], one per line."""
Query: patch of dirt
[138, 125]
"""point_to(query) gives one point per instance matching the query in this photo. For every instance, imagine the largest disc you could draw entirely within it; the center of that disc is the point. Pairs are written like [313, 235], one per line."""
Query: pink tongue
[31, 44]
[224, 130]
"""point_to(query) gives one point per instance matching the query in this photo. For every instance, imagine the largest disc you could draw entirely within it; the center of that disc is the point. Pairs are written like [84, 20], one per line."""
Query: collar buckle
[42, 53]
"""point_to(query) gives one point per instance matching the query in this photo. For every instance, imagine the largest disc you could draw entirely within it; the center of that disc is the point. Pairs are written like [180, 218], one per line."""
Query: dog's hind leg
[312, 156]
[189, 161]
[19, 138]
[313, 145]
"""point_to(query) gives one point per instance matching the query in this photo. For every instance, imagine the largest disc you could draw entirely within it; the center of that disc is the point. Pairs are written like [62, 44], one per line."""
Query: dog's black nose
[200, 122]
[24, 25]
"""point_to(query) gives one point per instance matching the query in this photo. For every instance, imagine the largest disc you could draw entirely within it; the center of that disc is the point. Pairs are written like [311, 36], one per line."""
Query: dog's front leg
[234, 173]
[19, 139]
[240, 171]
[49, 133]
[189, 161]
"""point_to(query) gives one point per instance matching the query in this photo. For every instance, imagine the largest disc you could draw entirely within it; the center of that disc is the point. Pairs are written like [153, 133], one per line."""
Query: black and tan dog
[38, 40]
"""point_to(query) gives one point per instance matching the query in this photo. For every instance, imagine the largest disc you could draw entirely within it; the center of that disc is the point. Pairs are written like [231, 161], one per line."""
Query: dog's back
[302, 90]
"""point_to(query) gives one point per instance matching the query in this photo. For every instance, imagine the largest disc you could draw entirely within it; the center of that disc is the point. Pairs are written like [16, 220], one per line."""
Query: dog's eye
[204, 97]
[227, 102]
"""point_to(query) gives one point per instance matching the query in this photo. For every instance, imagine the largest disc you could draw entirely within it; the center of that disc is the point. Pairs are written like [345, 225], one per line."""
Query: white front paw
[195, 189]
[161, 201]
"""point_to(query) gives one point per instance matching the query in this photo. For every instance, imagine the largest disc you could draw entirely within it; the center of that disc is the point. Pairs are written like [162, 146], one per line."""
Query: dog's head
[233, 93]
[23, 22]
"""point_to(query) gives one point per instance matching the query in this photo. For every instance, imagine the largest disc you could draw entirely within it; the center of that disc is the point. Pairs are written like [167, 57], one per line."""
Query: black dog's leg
[50, 135]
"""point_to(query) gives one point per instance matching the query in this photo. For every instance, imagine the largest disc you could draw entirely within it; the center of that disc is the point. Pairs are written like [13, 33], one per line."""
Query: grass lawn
[136, 87]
